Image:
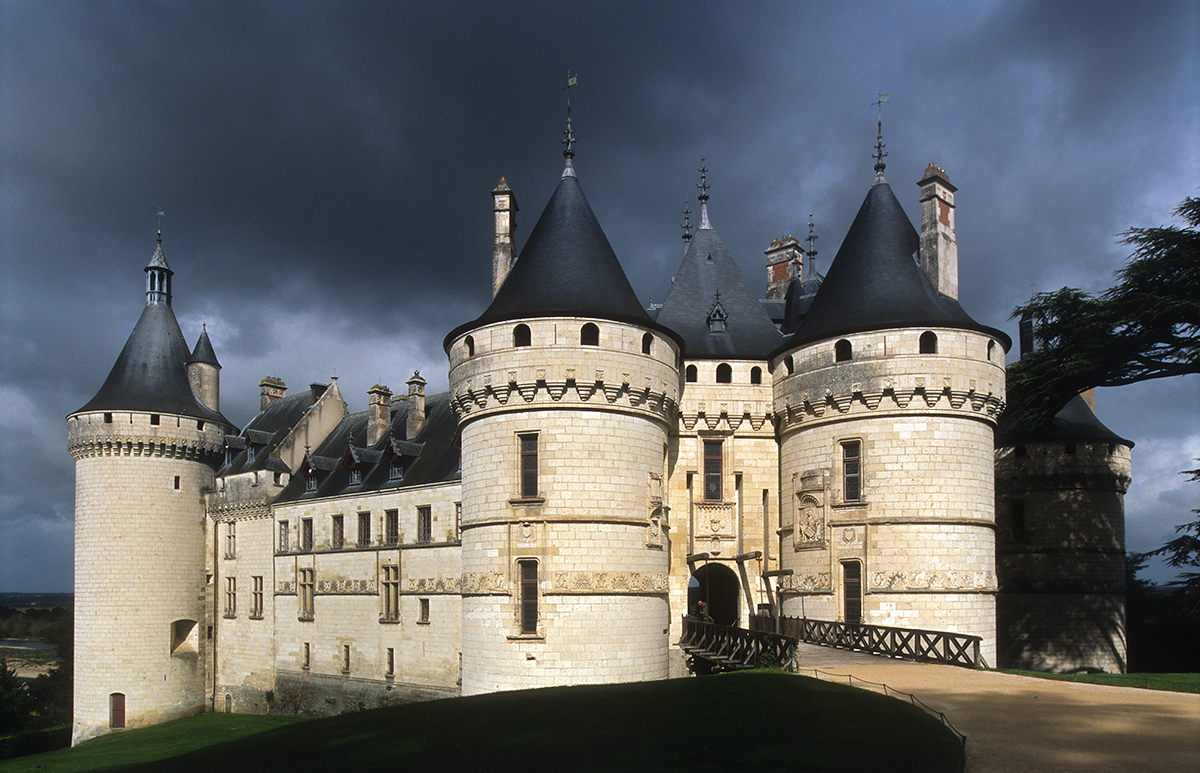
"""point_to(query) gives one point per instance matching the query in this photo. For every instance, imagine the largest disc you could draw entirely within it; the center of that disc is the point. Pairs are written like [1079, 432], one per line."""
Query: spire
[809, 271]
[879, 145]
[158, 277]
[703, 197]
[687, 223]
[569, 134]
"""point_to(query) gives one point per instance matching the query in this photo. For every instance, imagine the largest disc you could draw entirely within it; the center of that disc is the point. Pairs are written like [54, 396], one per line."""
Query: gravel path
[1017, 723]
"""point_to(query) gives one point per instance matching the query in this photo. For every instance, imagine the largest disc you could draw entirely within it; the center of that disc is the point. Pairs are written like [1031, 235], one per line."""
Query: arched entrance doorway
[717, 585]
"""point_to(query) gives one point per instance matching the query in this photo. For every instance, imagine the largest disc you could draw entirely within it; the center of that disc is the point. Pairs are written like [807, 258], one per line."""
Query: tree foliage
[1146, 326]
[1184, 550]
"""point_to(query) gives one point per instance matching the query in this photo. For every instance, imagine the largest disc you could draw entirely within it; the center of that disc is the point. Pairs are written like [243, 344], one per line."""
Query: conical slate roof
[566, 269]
[706, 271]
[204, 351]
[150, 375]
[874, 282]
[1076, 421]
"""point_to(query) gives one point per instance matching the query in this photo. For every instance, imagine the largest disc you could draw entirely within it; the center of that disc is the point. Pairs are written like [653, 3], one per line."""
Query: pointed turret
[150, 375]
[204, 373]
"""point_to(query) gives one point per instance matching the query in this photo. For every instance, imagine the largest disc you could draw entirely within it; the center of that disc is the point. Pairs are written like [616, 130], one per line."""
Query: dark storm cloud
[326, 168]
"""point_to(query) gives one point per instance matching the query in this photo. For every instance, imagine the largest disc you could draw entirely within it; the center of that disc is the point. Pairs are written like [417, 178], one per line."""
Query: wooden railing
[713, 647]
[954, 649]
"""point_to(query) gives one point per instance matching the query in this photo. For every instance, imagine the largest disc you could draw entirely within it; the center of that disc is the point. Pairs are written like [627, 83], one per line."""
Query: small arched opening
[647, 343]
[929, 342]
[718, 587]
[522, 336]
[756, 375]
[724, 373]
[843, 351]
[690, 374]
[469, 345]
[589, 335]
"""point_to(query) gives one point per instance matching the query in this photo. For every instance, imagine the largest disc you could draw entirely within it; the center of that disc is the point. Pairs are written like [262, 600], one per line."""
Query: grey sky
[326, 171]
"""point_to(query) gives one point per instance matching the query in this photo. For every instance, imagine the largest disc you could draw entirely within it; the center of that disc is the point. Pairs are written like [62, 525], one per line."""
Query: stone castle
[595, 469]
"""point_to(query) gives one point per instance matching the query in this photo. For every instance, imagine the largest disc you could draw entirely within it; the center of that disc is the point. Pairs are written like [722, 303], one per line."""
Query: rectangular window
[337, 538]
[364, 530]
[256, 604]
[391, 663]
[391, 593]
[713, 463]
[424, 524]
[230, 539]
[345, 658]
[529, 596]
[310, 483]
[529, 466]
[305, 656]
[230, 597]
[458, 521]
[284, 531]
[391, 520]
[852, 592]
[423, 611]
[306, 534]
[355, 476]
[851, 471]
[154, 419]
[1016, 515]
[176, 482]
[308, 582]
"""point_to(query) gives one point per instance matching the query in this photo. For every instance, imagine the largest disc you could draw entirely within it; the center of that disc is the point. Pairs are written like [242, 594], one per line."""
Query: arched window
[756, 375]
[842, 352]
[589, 335]
[991, 350]
[690, 373]
[929, 342]
[521, 336]
[724, 373]
[647, 342]
[791, 366]
[469, 344]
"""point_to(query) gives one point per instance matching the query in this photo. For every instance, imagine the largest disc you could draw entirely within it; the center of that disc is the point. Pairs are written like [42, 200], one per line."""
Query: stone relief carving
[806, 582]
[608, 582]
[483, 582]
[923, 579]
[346, 587]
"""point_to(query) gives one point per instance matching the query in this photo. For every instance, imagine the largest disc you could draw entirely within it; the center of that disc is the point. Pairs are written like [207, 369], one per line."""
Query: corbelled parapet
[148, 435]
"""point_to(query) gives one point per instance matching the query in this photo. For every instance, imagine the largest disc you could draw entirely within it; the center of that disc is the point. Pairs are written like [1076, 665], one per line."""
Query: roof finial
[687, 222]
[569, 133]
[879, 146]
[703, 197]
[809, 272]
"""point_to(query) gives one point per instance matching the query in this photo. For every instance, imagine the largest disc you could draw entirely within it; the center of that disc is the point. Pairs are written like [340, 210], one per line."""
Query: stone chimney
[939, 245]
[271, 389]
[416, 405]
[505, 207]
[784, 259]
[379, 415]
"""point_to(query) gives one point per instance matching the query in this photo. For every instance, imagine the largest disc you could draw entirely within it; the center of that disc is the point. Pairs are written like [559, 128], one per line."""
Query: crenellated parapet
[165, 436]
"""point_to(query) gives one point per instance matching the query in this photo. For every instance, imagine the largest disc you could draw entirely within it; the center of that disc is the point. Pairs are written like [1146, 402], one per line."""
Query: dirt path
[1016, 723]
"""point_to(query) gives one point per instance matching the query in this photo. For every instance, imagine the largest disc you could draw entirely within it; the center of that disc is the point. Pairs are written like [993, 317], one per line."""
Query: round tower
[1060, 543]
[144, 448]
[564, 389]
[886, 399]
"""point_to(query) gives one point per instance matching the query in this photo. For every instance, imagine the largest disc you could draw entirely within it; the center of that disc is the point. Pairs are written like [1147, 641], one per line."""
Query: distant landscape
[37, 600]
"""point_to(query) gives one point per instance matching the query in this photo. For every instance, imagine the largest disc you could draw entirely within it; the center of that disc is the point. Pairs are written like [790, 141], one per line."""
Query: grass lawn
[754, 721]
[1171, 682]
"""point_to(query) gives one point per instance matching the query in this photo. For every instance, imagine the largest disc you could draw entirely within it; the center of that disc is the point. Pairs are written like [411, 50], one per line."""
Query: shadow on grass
[758, 721]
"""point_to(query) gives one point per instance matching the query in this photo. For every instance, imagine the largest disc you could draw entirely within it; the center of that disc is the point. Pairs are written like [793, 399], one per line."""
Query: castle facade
[593, 473]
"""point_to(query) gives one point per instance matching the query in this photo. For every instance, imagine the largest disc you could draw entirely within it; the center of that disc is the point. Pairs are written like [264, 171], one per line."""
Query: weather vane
[569, 134]
[687, 222]
[879, 146]
[703, 197]
[161, 215]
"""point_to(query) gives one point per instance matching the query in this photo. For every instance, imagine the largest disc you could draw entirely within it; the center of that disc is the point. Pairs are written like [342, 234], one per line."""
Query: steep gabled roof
[567, 269]
[265, 432]
[874, 282]
[150, 375]
[707, 274]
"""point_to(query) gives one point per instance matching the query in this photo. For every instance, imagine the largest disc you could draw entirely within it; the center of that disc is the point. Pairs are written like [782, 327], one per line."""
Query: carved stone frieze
[932, 580]
[346, 587]
[804, 583]
[565, 582]
[426, 585]
[483, 583]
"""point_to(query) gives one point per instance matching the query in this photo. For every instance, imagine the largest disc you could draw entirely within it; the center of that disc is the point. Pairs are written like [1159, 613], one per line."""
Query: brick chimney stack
[416, 405]
[782, 255]
[505, 207]
[379, 416]
[271, 389]
[939, 245]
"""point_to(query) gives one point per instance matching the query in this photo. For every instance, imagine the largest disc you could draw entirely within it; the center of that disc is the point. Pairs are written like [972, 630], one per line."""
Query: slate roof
[204, 351]
[566, 269]
[708, 269]
[259, 440]
[430, 457]
[875, 283]
[150, 375]
[1076, 421]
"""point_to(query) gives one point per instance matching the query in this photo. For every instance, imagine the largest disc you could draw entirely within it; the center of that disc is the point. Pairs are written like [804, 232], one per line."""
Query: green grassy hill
[757, 721]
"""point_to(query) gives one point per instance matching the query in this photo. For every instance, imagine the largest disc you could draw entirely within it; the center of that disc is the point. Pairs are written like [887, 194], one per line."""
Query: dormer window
[395, 470]
[355, 476]
[310, 483]
[717, 317]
